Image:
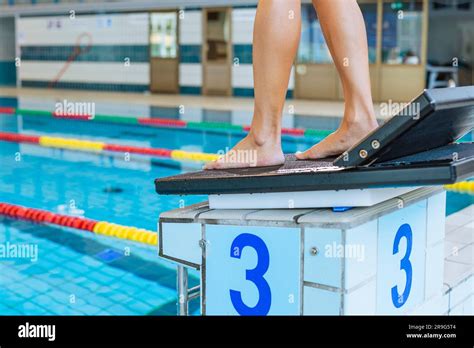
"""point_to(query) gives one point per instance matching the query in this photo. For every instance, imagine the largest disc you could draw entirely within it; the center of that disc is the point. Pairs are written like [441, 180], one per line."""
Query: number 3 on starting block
[401, 261]
[252, 270]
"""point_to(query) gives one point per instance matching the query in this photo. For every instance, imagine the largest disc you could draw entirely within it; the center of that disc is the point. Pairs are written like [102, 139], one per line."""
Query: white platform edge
[307, 199]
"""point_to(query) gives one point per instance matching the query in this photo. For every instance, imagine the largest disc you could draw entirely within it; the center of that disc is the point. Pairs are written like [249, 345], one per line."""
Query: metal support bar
[194, 293]
[182, 280]
[197, 288]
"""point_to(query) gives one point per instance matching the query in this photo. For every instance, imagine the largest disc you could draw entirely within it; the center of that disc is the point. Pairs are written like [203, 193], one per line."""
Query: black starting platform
[417, 147]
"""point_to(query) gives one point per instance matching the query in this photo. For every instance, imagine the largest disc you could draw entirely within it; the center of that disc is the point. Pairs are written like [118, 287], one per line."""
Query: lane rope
[163, 122]
[466, 187]
[97, 146]
[105, 228]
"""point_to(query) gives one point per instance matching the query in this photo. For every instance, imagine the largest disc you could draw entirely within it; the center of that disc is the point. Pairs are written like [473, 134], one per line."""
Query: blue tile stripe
[190, 54]
[249, 92]
[193, 90]
[9, 102]
[244, 53]
[88, 86]
[96, 53]
[243, 6]
[7, 73]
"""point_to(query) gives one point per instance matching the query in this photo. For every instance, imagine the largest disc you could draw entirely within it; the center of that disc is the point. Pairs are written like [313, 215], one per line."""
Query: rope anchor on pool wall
[78, 50]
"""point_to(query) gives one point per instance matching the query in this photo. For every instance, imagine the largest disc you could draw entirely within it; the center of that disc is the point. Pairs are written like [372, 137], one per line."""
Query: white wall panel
[116, 29]
[190, 75]
[137, 73]
[242, 25]
[190, 28]
[242, 76]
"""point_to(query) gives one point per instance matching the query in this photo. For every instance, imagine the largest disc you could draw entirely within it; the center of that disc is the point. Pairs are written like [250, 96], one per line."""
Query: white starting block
[383, 259]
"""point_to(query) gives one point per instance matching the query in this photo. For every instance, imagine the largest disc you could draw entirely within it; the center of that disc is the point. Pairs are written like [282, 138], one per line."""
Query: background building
[208, 50]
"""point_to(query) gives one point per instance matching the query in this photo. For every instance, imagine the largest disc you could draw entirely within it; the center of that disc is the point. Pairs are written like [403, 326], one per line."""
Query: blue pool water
[82, 273]
[77, 272]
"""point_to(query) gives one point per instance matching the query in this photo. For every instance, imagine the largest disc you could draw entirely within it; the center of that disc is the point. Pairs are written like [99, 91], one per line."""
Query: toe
[210, 165]
[301, 155]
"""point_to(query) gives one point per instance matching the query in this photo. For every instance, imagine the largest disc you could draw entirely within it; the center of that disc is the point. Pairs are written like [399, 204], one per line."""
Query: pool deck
[459, 262]
[297, 106]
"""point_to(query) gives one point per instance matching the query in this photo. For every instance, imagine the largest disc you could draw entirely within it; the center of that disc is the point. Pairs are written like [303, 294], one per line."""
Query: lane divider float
[163, 122]
[7, 110]
[105, 228]
[461, 187]
[97, 146]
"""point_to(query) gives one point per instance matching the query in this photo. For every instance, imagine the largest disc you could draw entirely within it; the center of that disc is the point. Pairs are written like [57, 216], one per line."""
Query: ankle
[263, 137]
[359, 114]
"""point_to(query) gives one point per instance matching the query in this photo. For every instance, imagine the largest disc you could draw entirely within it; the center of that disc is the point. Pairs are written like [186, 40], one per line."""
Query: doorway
[217, 61]
[164, 55]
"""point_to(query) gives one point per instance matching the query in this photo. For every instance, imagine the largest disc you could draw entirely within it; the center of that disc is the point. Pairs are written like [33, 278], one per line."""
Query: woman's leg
[344, 29]
[275, 42]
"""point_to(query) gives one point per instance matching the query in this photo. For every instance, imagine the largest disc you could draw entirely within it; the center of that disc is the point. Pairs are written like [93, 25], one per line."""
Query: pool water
[80, 273]
[83, 273]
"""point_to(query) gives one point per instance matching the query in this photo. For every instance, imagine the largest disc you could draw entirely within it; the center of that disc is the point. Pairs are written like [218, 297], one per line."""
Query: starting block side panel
[434, 270]
[252, 270]
[331, 255]
[322, 258]
[360, 254]
[436, 219]
[180, 243]
[361, 301]
[401, 259]
[435, 233]
[321, 302]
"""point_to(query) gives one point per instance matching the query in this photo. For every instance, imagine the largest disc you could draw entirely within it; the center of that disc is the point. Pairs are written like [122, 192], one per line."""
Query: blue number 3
[254, 275]
[405, 264]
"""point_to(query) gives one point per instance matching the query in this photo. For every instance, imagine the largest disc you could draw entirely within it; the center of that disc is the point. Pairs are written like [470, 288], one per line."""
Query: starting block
[267, 242]
[384, 259]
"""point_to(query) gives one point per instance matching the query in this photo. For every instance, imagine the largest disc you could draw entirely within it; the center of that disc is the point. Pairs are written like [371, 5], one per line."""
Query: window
[313, 48]
[369, 11]
[163, 33]
[401, 32]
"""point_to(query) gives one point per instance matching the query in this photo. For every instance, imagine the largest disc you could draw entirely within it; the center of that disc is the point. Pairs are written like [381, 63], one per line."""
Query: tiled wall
[47, 43]
[190, 44]
[113, 52]
[7, 52]
[242, 37]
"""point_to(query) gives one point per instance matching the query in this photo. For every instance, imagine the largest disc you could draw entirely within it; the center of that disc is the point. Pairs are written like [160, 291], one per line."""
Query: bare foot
[250, 153]
[340, 141]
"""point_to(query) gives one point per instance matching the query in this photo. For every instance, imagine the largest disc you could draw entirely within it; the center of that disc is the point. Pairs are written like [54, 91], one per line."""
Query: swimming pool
[77, 273]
